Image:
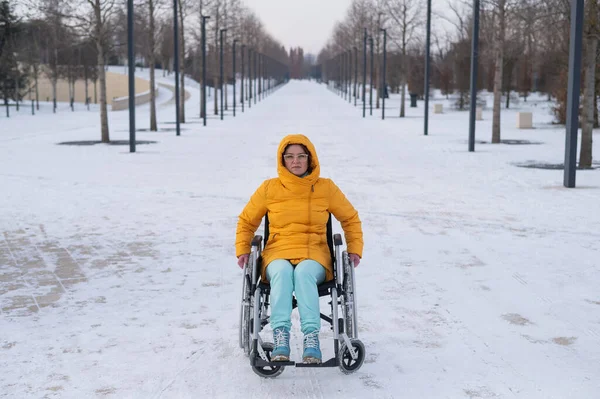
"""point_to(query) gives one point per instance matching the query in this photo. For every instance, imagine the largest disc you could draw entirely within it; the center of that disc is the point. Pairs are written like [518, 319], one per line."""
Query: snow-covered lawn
[118, 277]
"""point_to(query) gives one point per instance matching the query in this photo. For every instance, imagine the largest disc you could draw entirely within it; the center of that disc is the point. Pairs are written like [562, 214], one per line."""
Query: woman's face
[295, 159]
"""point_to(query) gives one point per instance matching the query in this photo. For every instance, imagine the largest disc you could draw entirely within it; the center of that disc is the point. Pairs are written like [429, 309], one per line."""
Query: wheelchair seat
[325, 286]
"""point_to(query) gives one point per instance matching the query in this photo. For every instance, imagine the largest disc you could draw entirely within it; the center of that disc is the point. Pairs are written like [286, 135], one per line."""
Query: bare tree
[151, 50]
[500, 9]
[216, 20]
[166, 48]
[91, 18]
[32, 48]
[406, 15]
[184, 10]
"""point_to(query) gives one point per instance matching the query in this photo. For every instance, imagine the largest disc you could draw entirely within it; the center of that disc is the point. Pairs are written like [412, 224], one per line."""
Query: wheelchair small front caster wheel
[347, 364]
[268, 371]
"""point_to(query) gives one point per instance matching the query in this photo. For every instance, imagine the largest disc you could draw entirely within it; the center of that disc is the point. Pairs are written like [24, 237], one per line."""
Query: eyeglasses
[299, 157]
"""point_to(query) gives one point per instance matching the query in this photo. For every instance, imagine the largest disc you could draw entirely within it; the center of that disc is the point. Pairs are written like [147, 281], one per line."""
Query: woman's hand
[354, 258]
[242, 260]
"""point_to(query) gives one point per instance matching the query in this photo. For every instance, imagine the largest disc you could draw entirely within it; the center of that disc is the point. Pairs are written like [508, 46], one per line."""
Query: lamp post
[364, 85]
[176, 66]
[204, 18]
[221, 68]
[474, 57]
[349, 76]
[427, 65]
[573, 93]
[250, 51]
[383, 82]
[355, 75]
[234, 80]
[372, 71]
[242, 85]
[255, 76]
[131, 67]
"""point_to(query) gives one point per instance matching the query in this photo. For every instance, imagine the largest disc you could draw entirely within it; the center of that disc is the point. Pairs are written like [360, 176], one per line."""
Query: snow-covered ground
[118, 277]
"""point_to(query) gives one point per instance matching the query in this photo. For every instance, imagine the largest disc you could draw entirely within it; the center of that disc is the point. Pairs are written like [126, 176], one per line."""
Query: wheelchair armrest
[337, 239]
[256, 241]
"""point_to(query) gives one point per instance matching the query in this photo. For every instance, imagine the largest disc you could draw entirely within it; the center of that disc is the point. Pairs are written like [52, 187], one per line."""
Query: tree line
[524, 48]
[77, 39]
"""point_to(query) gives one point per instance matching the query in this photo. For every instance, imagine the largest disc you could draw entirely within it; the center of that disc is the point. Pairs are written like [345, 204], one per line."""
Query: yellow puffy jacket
[298, 209]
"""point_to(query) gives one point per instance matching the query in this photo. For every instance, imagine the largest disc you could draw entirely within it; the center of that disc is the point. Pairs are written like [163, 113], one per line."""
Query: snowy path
[118, 278]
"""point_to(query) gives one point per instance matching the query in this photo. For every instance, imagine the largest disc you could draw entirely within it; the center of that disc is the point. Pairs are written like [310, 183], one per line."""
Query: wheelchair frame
[254, 313]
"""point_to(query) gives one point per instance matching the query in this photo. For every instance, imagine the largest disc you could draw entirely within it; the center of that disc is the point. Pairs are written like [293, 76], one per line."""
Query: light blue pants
[303, 280]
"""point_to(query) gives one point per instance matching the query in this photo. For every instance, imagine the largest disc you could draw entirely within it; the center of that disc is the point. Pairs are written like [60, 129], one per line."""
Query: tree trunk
[596, 122]
[87, 90]
[498, 73]
[153, 123]
[103, 106]
[36, 72]
[587, 116]
[54, 85]
[18, 90]
[403, 98]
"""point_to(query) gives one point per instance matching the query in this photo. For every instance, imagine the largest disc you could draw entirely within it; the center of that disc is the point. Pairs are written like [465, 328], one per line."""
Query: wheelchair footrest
[330, 363]
[261, 363]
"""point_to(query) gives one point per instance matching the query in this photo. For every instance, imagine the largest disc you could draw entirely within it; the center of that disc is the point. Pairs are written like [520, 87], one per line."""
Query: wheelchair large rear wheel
[348, 302]
[246, 311]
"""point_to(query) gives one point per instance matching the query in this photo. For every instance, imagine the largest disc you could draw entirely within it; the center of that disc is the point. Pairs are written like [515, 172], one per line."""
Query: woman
[297, 256]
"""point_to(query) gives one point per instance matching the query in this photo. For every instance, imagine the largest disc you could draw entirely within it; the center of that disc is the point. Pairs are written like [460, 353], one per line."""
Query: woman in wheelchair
[298, 259]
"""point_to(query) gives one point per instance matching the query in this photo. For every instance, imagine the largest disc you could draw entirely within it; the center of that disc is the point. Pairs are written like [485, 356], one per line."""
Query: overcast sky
[302, 23]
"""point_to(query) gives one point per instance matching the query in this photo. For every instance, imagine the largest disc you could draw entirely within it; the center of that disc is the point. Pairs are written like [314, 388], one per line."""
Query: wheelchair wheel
[243, 337]
[349, 320]
[246, 312]
[348, 302]
[270, 371]
[346, 363]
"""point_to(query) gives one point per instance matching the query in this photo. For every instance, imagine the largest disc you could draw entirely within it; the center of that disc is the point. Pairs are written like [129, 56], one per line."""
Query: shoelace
[281, 338]
[311, 340]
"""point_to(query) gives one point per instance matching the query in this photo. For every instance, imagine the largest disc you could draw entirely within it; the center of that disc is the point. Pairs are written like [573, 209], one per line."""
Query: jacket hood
[288, 177]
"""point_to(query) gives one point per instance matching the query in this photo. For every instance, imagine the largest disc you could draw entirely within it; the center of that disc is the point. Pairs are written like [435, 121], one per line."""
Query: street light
[234, 80]
[427, 64]
[204, 18]
[372, 71]
[383, 82]
[474, 57]
[355, 74]
[131, 65]
[349, 76]
[364, 85]
[573, 93]
[250, 51]
[176, 66]
[221, 68]
[242, 85]
[255, 76]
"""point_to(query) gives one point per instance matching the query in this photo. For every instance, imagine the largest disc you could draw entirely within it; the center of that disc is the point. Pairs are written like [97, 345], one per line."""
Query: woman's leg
[280, 273]
[307, 275]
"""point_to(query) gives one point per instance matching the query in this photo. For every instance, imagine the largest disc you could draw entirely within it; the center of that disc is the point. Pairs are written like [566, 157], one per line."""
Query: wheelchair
[254, 312]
